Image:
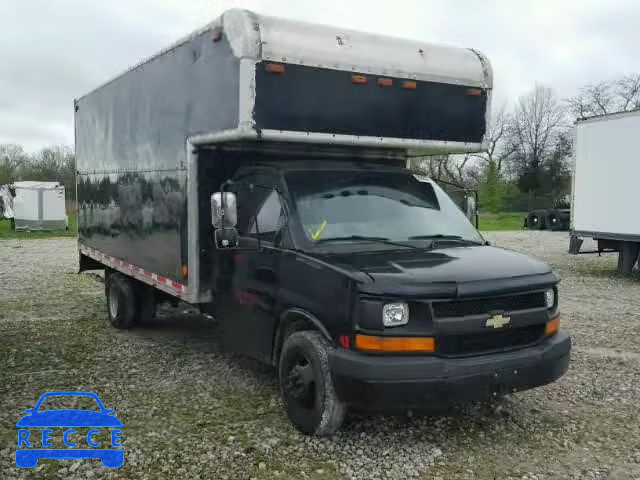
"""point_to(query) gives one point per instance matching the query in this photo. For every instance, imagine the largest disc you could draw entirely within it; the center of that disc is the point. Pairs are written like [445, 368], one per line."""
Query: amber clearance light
[409, 85]
[274, 68]
[552, 326]
[374, 343]
[358, 79]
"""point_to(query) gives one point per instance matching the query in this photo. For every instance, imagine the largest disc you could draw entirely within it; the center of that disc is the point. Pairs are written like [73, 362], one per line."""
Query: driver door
[251, 307]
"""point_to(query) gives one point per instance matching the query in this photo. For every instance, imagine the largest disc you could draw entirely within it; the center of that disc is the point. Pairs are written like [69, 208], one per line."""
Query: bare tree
[466, 169]
[499, 147]
[538, 119]
[451, 168]
[11, 158]
[606, 97]
[628, 91]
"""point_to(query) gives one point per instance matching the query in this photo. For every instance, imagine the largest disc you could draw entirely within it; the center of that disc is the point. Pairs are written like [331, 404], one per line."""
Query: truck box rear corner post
[193, 222]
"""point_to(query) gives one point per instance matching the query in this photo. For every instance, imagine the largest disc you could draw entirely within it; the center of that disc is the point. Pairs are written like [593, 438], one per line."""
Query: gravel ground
[192, 411]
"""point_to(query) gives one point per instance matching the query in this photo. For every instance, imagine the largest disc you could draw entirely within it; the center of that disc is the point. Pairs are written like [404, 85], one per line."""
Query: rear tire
[306, 385]
[121, 301]
[146, 303]
[535, 221]
[553, 220]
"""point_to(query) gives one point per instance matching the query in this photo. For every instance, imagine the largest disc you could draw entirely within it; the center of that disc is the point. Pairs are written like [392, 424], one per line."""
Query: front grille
[495, 340]
[480, 306]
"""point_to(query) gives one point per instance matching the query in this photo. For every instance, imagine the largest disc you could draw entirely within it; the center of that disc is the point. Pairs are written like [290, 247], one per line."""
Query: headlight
[395, 314]
[550, 298]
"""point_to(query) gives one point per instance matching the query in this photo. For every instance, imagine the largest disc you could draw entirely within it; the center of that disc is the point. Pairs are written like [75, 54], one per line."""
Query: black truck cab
[368, 287]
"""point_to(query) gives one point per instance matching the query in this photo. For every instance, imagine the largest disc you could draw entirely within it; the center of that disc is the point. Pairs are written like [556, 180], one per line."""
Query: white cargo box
[605, 177]
[39, 206]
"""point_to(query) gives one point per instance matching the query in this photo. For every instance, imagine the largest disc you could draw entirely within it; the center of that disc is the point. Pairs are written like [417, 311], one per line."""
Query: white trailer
[39, 206]
[605, 183]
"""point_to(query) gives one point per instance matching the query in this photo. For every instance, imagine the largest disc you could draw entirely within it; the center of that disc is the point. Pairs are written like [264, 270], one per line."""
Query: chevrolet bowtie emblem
[498, 321]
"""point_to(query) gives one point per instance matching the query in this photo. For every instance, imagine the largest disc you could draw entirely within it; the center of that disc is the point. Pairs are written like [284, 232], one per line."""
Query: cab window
[260, 212]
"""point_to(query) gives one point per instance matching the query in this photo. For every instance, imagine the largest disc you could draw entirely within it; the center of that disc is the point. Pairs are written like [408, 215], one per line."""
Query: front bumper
[400, 383]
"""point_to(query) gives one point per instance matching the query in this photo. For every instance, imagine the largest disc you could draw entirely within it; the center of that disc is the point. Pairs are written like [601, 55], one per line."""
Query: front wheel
[306, 385]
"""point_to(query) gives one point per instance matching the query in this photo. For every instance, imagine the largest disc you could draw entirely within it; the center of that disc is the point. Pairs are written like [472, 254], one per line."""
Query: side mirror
[226, 238]
[224, 210]
[471, 207]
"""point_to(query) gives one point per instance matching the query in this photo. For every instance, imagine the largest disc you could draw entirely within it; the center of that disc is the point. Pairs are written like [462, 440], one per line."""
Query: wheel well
[88, 263]
[294, 320]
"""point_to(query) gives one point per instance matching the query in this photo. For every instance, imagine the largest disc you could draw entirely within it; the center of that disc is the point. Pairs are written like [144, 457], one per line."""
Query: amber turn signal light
[374, 343]
[409, 85]
[552, 326]
[385, 82]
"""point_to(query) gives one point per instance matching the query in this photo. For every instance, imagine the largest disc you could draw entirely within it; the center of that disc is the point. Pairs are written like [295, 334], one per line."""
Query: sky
[52, 51]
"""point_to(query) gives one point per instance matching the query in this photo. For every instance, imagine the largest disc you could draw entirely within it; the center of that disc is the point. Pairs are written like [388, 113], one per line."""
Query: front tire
[306, 385]
[121, 301]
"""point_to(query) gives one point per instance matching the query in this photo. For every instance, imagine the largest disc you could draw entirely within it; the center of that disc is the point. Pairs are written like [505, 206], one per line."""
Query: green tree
[493, 189]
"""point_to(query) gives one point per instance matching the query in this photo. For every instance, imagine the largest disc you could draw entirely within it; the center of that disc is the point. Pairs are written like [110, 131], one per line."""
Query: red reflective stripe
[109, 260]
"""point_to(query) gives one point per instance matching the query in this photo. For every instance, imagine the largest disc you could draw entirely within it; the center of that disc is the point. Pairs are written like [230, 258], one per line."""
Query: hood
[446, 272]
[69, 418]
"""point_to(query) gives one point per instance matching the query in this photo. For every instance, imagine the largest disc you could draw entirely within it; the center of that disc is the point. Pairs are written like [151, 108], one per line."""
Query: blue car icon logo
[36, 447]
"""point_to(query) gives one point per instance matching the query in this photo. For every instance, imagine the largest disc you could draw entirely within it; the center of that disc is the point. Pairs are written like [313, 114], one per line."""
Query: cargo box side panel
[312, 99]
[131, 150]
[138, 217]
[606, 175]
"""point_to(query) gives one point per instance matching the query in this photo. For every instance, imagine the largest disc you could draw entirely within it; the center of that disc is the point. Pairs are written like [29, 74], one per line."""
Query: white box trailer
[39, 206]
[605, 182]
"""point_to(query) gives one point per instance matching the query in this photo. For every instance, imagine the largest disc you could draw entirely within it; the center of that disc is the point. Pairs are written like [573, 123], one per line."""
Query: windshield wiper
[367, 238]
[434, 239]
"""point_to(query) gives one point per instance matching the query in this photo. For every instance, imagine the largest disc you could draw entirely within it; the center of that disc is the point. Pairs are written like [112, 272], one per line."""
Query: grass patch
[6, 232]
[491, 222]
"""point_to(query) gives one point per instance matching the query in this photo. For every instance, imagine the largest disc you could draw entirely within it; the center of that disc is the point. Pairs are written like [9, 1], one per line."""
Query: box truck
[604, 184]
[257, 170]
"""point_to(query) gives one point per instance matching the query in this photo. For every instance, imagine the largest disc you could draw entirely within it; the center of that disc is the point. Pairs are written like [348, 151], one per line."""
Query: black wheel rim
[114, 301]
[300, 382]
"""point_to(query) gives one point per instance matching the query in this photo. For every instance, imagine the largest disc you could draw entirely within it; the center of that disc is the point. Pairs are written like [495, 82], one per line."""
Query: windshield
[384, 205]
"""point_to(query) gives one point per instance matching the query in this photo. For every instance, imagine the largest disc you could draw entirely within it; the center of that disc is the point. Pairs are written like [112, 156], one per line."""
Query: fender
[278, 340]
